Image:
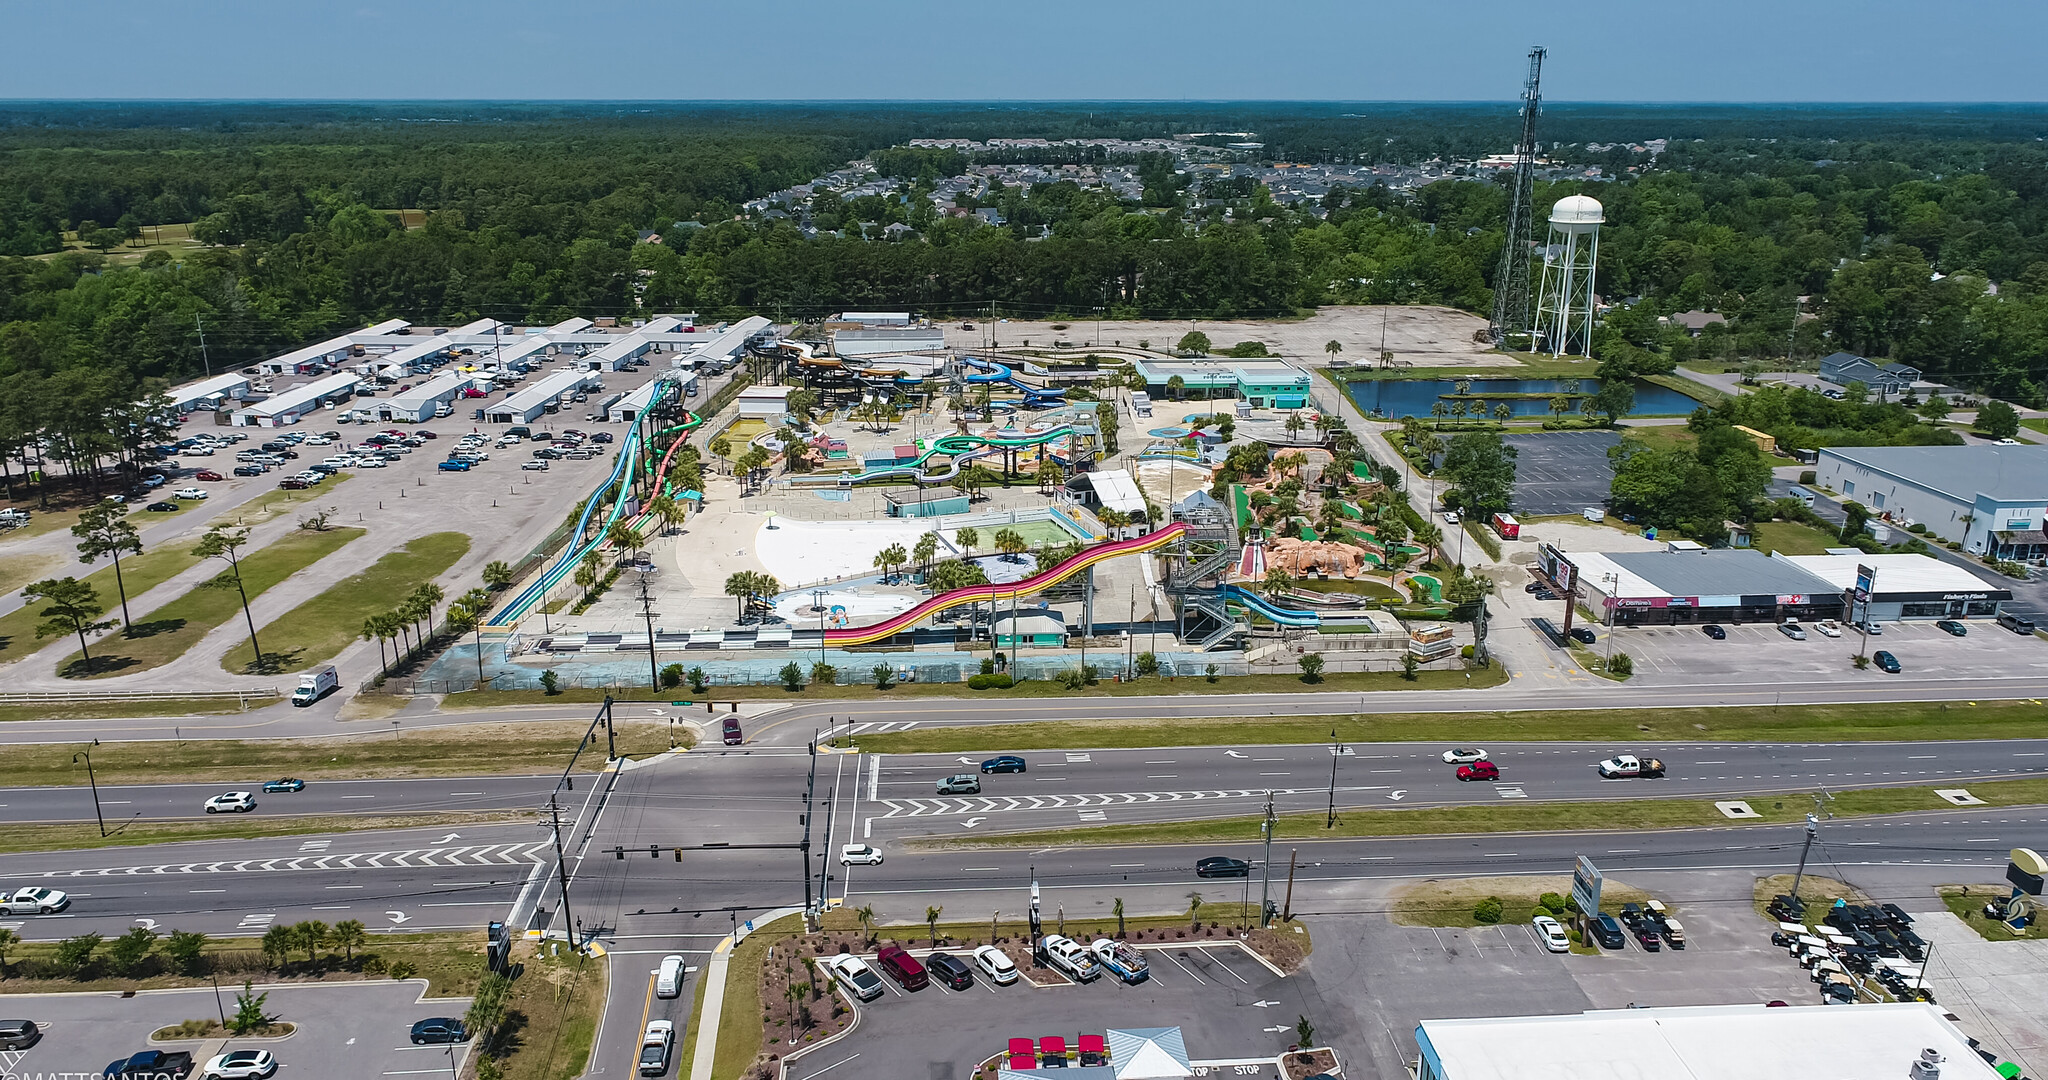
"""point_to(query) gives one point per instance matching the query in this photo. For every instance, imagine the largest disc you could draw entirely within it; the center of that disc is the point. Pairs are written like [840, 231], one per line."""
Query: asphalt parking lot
[1561, 472]
[1923, 651]
[1211, 993]
[346, 1030]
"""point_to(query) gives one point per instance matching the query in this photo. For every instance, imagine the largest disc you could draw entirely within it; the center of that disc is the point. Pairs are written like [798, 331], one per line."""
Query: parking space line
[1212, 959]
[1184, 967]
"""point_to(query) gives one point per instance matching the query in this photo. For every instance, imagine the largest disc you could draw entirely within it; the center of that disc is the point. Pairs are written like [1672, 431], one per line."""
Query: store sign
[1586, 882]
[1866, 580]
[1791, 599]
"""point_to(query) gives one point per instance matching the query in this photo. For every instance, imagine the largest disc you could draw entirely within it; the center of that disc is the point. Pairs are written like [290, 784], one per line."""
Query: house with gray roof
[1883, 379]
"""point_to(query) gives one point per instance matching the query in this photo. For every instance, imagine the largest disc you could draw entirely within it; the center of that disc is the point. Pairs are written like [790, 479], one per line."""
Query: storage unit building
[294, 403]
[529, 404]
[209, 393]
[420, 403]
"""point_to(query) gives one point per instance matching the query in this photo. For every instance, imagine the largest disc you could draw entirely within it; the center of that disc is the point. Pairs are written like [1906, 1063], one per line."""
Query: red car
[207, 474]
[426, 434]
[1479, 770]
[902, 967]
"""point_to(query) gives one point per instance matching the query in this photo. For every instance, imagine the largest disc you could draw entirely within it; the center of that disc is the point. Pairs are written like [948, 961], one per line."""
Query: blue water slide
[992, 372]
[621, 479]
[1265, 608]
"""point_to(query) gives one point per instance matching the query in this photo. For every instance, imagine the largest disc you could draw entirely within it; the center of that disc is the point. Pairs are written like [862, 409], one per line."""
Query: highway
[173, 802]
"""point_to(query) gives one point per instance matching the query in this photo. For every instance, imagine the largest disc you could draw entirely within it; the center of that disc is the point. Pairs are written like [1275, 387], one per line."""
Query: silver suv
[962, 784]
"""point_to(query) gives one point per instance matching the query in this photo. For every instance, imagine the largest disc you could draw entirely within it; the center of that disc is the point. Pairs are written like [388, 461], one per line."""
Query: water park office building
[1263, 384]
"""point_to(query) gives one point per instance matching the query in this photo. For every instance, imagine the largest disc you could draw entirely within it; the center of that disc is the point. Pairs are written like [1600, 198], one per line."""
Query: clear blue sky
[1347, 50]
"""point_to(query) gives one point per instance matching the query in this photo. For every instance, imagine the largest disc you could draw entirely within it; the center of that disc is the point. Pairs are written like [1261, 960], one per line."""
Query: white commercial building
[382, 337]
[294, 403]
[524, 406]
[861, 344]
[209, 393]
[1703, 1042]
[1991, 499]
[422, 402]
[1907, 586]
[877, 318]
[764, 402]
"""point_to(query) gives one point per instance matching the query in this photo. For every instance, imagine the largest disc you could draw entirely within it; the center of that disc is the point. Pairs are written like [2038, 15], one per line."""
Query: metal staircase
[1228, 627]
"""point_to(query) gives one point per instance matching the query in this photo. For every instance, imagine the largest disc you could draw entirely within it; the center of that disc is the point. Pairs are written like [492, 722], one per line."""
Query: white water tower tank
[1577, 215]
[1564, 304]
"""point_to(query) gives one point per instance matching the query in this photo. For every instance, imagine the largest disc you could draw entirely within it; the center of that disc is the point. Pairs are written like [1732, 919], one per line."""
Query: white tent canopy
[1148, 1053]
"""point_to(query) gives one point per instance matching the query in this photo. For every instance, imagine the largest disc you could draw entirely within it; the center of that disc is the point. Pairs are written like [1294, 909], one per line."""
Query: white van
[668, 979]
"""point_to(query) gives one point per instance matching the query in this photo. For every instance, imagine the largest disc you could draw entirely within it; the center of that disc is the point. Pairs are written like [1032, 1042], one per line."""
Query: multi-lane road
[167, 802]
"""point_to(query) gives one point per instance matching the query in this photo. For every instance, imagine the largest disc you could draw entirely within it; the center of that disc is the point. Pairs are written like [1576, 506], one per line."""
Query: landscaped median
[1621, 815]
[1894, 721]
[317, 630]
[21, 838]
[164, 634]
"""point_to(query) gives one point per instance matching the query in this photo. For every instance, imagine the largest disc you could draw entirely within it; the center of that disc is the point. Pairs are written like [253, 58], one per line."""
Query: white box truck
[315, 685]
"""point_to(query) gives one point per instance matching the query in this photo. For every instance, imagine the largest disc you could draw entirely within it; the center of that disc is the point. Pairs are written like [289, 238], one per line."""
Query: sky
[1301, 50]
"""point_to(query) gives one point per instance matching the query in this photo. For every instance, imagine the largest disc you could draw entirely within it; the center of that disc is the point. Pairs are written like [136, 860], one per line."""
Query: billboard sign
[1586, 881]
[1866, 581]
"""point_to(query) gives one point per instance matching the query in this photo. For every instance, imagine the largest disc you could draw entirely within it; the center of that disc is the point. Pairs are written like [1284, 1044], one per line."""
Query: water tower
[1564, 308]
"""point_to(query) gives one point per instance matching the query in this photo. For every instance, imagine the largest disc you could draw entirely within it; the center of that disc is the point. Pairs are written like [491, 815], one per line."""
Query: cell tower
[1511, 285]
[1564, 306]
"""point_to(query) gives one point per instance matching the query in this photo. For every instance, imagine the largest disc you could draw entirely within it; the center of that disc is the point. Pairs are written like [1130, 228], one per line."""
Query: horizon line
[1548, 102]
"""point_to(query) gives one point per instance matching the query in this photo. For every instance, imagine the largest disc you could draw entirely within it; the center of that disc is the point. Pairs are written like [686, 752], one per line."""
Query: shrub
[1410, 666]
[373, 965]
[1551, 902]
[792, 676]
[1210, 672]
[883, 675]
[697, 679]
[550, 682]
[1808, 476]
[671, 676]
[403, 969]
[1487, 911]
[1466, 651]
[1621, 664]
[1147, 664]
[988, 665]
[990, 682]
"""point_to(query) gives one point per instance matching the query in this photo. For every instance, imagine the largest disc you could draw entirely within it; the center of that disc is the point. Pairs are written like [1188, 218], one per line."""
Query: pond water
[1395, 398]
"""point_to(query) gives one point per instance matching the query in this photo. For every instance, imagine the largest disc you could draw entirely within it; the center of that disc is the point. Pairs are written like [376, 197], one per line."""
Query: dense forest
[1915, 234]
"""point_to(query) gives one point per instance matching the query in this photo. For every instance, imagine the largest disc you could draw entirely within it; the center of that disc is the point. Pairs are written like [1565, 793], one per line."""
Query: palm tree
[1010, 543]
[373, 627]
[866, 914]
[1333, 347]
[624, 537]
[931, 922]
[926, 548]
[1437, 409]
[429, 594]
[1464, 386]
[1430, 536]
[586, 577]
[1113, 520]
[1294, 425]
[1502, 411]
[1174, 387]
[668, 510]
[1560, 406]
[1050, 475]
[968, 539]
[1571, 386]
[739, 586]
[1476, 406]
[721, 447]
[1458, 409]
[793, 450]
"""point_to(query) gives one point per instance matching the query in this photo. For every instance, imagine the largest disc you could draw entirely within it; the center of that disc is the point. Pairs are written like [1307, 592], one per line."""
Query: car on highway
[1953, 627]
[961, 784]
[950, 970]
[19, 1034]
[1608, 933]
[1551, 934]
[208, 475]
[286, 784]
[240, 1065]
[860, 855]
[1463, 756]
[1828, 628]
[189, 493]
[237, 802]
[668, 977]
[1625, 766]
[1450, 517]
[1792, 630]
[1713, 630]
[163, 508]
[439, 1029]
[1222, 866]
[1582, 635]
[855, 974]
[1479, 770]
[656, 1043]
[1885, 662]
[1004, 763]
[996, 964]
[34, 900]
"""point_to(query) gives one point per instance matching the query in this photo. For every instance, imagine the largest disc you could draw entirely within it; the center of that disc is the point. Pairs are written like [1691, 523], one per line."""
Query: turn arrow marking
[1272, 1029]
[450, 836]
[972, 822]
[400, 917]
[1232, 753]
[146, 924]
[966, 760]
[1264, 1004]
[1397, 796]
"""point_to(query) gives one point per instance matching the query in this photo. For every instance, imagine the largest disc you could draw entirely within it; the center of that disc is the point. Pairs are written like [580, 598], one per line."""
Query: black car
[1715, 632]
[1582, 635]
[1222, 866]
[1953, 627]
[1885, 662]
[1545, 594]
[163, 507]
[601, 437]
[248, 470]
[949, 970]
[1608, 933]
[1004, 763]
[439, 1029]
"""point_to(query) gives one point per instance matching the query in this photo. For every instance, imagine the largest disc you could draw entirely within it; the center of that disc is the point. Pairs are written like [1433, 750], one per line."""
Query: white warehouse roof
[205, 389]
[548, 389]
[301, 398]
[1901, 573]
[1118, 491]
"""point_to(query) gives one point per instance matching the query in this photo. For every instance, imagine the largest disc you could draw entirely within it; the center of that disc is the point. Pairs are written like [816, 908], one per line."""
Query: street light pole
[89, 779]
[1266, 880]
[1812, 829]
[1330, 821]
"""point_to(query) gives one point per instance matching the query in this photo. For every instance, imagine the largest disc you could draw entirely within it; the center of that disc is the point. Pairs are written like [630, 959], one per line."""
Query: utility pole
[1812, 830]
[647, 614]
[554, 812]
[810, 784]
[87, 755]
[197, 321]
[1330, 819]
[1287, 905]
[1266, 884]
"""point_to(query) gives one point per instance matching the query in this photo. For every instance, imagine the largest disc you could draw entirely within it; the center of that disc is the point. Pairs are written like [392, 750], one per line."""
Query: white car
[1463, 756]
[996, 964]
[1828, 628]
[860, 855]
[656, 1043]
[31, 900]
[1072, 957]
[189, 493]
[1552, 935]
[240, 1065]
[238, 802]
[1450, 517]
[857, 976]
[370, 463]
[534, 466]
[2006, 442]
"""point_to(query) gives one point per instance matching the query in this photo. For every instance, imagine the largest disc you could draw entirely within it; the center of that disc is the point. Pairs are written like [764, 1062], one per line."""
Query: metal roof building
[630, 407]
[1907, 586]
[1730, 585]
[288, 407]
[217, 389]
[1990, 499]
[531, 402]
[420, 403]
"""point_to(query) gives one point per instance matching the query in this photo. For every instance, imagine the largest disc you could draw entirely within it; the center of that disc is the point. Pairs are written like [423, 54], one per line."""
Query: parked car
[855, 974]
[1608, 933]
[1463, 756]
[1792, 630]
[656, 1043]
[1714, 631]
[34, 900]
[293, 483]
[189, 493]
[1953, 627]
[1121, 960]
[207, 475]
[962, 784]
[248, 470]
[19, 1034]
[860, 855]
[1872, 628]
[237, 802]
[1222, 866]
[902, 967]
[1828, 628]
[1479, 770]
[1582, 635]
[533, 466]
[287, 784]
[151, 1065]
[163, 507]
[1885, 662]
[439, 1029]
[1552, 934]
[1072, 957]
[153, 481]
[996, 964]
[453, 466]
[950, 970]
[601, 437]
[1006, 763]
[240, 1065]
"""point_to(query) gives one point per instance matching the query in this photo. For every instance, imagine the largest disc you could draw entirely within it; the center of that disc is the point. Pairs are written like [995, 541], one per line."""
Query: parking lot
[346, 1031]
[1684, 653]
[1561, 472]
[1214, 993]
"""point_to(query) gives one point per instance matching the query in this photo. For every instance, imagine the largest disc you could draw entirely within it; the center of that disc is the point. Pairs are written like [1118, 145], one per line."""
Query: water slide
[1034, 398]
[1265, 608]
[959, 447]
[1039, 582]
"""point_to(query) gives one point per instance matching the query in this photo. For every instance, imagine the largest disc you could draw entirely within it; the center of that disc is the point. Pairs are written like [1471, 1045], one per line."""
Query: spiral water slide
[992, 372]
[1036, 583]
[621, 482]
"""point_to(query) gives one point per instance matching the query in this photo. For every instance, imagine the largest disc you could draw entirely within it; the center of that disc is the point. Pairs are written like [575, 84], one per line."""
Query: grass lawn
[552, 1015]
[280, 502]
[315, 631]
[1967, 902]
[1662, 436]
[1450, 902]
[1620, 815]
[2035, 423]
[141, 573]
[1375, 589]
[20, 838]
[105, 710]
[1698, 391]
[1790, 537]
[452, 964]
[1036, 688]
[470, 750]
[163, 635]
[1790, 723]
[18, 570]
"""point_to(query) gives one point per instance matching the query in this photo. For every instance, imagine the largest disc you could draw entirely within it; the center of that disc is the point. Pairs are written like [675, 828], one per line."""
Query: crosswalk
[875, 728]
[998, 804]
[471, 855]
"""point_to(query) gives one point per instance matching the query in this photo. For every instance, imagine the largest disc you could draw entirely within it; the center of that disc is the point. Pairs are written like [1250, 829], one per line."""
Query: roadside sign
[1586, 881]
[1866, 581]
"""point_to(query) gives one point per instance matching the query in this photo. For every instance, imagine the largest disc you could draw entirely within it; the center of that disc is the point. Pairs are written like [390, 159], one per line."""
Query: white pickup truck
[34, 901]
[1072, 957]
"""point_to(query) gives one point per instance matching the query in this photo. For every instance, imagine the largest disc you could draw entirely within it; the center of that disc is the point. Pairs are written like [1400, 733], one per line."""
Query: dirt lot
[1419, 336]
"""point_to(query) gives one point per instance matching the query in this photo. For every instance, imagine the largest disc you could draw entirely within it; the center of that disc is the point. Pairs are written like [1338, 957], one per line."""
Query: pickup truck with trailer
[152, 1065]
[1122, 961]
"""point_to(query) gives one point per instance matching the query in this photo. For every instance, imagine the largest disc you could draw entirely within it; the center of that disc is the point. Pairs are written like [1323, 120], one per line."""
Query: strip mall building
[1689, 584]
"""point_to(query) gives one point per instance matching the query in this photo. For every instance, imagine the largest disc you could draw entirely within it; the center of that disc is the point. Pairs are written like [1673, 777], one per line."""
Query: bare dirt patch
[1417, 336]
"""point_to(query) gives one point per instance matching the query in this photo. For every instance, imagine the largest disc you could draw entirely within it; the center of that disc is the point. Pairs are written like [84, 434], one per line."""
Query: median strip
[24, 838]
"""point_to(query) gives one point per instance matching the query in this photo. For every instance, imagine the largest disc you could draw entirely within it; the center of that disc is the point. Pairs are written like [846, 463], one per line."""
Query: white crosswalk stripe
[484, 855]
[960, 807]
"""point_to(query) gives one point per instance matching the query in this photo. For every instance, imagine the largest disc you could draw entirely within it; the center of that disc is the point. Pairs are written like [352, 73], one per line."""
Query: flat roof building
[1990, 499]
[1907, 586]
[1264, 383]
[764, 402]
[630, 407]
[294, 403]
[861, 344]
[877, 318]
[420, 403]
[1702, 1042]
[1692, 585]
[528, 404]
